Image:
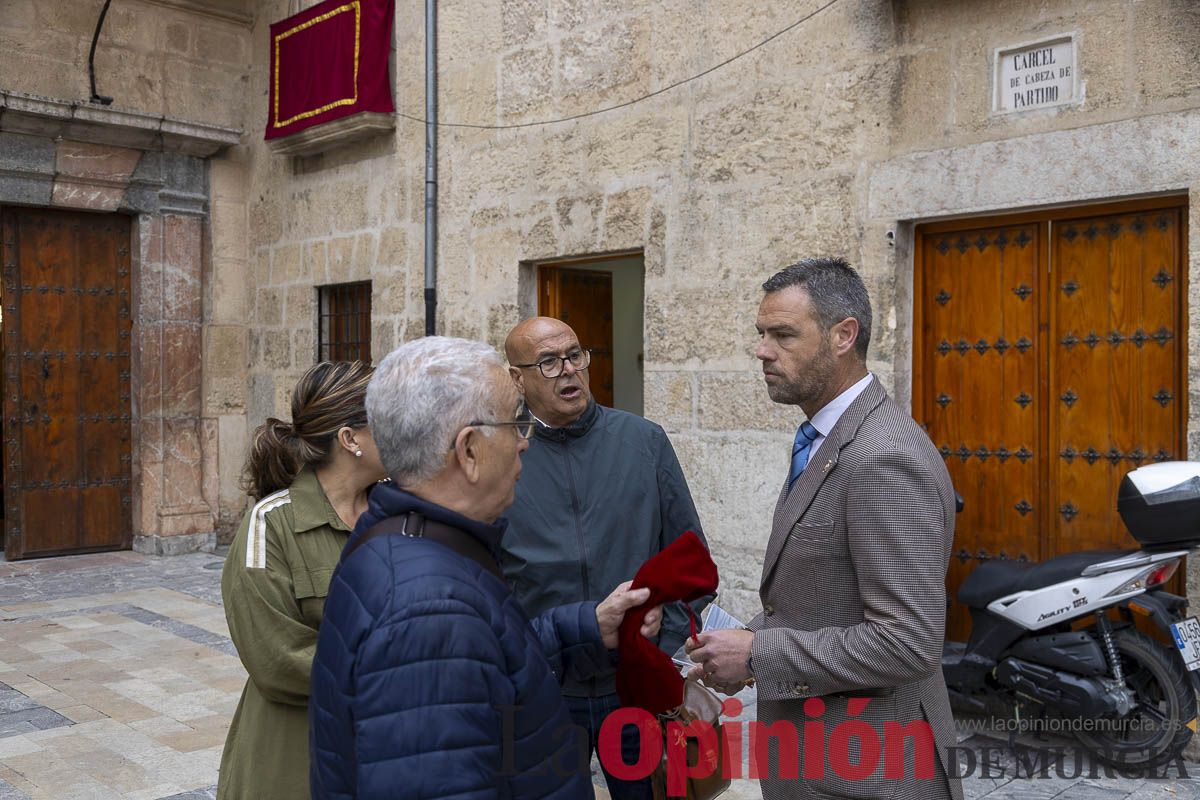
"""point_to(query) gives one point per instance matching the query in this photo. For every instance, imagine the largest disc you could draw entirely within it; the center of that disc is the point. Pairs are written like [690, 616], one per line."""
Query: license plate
[1187, 638]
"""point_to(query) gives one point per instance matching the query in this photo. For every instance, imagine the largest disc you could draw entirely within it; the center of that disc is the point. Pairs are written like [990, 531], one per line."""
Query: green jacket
[274, 585]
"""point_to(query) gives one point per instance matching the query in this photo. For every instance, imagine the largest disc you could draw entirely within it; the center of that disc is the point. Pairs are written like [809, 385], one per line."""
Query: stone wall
[354, 213]
[177, 72]
[817, 143]
[1136, 58]
[871, 117]
[227, 299]
[185, 59]
[718, 183]
[174, 489]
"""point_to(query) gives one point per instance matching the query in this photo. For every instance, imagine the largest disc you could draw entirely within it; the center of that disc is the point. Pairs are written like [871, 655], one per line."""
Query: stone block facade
[163, 63]
[838, 137]
[864, 121]
[121, 162]
[183, 60]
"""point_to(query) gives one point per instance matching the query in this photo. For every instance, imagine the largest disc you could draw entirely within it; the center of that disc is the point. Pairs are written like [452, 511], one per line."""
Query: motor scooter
[1057, 640]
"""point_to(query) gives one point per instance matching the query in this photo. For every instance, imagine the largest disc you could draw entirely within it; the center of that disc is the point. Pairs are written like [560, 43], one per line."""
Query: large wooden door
[67, 422]
[981, 403]
[1049, 365]
[1117, 381]
[584, 300]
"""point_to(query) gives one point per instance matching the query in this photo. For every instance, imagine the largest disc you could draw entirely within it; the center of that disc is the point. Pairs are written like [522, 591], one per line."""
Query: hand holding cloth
[646, 676]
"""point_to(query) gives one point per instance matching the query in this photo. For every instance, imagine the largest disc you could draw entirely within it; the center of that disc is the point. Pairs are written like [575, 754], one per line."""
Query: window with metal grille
[344, 326]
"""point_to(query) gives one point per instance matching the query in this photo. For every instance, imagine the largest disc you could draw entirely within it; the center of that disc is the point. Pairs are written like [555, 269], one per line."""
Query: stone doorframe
[70, 154]
[1145, 156]
[1124, 160]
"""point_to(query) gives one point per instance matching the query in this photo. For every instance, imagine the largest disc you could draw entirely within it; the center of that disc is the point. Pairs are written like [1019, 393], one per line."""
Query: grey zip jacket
[595, 500]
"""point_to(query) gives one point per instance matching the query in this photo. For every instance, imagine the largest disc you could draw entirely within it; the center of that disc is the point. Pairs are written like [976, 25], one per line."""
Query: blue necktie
[805, 436]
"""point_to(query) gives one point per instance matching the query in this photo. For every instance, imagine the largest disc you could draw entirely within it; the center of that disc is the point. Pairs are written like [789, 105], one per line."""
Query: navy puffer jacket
[430, 682]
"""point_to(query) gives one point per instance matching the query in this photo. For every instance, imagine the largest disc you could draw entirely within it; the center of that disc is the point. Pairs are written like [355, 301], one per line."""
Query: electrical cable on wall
[96, 97]
[627, 103]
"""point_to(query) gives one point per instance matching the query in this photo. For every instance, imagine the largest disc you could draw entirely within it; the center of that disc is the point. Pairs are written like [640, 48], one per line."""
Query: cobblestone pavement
[118, 680]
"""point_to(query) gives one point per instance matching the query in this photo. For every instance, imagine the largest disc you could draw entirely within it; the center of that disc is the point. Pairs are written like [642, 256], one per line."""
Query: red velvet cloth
[328, 62]
[646, 676]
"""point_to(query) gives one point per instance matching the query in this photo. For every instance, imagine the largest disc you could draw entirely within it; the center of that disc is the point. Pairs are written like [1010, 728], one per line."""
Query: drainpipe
[430, 167]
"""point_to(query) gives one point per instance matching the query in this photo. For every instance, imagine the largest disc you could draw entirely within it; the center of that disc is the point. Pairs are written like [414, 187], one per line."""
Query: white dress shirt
[827, 417]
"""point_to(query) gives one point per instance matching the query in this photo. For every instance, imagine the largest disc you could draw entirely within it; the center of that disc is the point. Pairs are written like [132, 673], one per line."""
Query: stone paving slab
[118, 680]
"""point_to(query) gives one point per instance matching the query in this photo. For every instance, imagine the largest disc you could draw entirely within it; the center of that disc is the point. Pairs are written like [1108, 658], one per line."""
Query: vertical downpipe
[430, 167]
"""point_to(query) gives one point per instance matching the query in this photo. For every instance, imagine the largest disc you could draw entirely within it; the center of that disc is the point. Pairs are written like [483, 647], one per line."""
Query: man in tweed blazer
[853, 582]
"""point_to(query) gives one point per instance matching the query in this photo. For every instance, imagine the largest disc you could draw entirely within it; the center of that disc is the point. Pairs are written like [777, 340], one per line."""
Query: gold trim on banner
[345, 101]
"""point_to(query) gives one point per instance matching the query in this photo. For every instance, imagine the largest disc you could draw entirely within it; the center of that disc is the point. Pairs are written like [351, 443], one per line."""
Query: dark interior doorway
[602, 300]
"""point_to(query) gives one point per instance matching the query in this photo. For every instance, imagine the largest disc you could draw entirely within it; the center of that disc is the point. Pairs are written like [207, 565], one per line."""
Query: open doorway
[602, 300]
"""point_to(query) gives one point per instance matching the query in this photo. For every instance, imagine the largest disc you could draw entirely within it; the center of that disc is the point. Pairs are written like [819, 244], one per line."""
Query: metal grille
[344, 327]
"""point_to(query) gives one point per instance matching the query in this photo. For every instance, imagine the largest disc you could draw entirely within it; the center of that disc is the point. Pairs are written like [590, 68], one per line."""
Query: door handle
[45, 367]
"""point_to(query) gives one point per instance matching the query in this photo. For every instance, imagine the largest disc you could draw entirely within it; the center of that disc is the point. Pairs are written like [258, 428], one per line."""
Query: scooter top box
[1160, 504]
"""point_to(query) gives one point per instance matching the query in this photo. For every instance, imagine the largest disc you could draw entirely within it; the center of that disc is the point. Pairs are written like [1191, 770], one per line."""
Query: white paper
[715, 619]
[718, 619]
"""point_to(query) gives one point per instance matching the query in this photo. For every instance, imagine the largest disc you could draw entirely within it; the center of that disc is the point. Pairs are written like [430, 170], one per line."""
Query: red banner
[329, 62]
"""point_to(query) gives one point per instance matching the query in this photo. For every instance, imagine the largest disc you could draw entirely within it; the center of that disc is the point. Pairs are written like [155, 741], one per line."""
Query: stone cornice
[319, 138]
[81, 121]
[1087, 163]
[224, 11]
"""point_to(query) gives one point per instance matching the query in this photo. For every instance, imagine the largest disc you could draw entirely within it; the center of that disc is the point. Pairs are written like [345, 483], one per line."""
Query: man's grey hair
[421, 395]
[836, 290]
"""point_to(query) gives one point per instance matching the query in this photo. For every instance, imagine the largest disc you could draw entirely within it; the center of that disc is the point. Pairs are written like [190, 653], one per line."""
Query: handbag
[699, 703]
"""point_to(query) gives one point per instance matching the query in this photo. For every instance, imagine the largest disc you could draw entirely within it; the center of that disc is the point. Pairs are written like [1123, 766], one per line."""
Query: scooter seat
[995, 579]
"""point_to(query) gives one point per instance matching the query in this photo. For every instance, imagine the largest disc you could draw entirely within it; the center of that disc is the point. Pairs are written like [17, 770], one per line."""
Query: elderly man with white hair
[429, 681]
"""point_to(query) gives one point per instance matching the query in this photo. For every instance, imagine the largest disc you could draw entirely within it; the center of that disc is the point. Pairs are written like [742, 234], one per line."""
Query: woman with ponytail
[309, 479]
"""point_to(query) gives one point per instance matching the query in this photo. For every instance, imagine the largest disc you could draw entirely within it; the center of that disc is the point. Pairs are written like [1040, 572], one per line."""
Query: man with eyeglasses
[428, 680]
[601, 491]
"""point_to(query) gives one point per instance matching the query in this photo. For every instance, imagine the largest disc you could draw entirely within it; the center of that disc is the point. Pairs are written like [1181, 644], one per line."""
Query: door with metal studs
[1048, 363]
[67, 410]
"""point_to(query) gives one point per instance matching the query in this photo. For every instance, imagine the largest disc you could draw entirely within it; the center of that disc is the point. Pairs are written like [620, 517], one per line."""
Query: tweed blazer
[854, 606]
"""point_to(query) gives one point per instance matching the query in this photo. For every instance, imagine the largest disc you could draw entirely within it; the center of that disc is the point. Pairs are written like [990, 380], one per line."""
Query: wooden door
[584, 300]
[1116, 381]
[1049, 365]
[67, 418]
[981, 380]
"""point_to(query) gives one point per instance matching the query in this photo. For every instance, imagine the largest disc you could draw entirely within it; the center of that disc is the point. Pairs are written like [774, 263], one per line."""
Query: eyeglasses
[522, 424]
[553, 366]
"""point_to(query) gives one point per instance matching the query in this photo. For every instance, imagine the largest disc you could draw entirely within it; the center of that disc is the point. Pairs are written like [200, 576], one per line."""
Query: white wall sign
[1035, 75]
